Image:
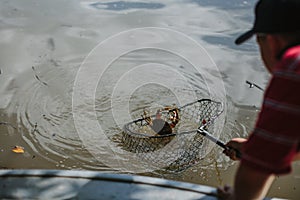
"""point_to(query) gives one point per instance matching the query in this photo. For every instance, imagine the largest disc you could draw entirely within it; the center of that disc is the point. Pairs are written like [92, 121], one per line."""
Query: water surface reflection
[44, 43]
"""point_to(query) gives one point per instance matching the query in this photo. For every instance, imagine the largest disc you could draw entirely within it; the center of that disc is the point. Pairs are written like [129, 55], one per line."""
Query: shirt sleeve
[275, 138]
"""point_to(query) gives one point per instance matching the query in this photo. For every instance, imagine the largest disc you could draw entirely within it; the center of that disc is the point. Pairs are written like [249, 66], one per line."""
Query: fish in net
[169, 138]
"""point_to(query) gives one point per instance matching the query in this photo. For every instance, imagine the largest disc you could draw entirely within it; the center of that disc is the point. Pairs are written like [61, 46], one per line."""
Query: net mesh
[180, 149]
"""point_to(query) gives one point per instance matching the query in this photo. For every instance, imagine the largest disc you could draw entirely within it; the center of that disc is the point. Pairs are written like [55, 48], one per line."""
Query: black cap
[274, 16]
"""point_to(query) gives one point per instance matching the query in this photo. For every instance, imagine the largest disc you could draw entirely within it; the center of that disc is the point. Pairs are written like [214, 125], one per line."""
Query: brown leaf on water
[18, 149]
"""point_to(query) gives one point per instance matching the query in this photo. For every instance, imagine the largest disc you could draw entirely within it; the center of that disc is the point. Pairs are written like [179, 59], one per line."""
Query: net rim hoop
[127, 131]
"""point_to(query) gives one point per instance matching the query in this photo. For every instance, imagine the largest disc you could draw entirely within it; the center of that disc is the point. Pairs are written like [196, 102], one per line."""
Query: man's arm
[237, 143]
[297, 157]
[251, 183]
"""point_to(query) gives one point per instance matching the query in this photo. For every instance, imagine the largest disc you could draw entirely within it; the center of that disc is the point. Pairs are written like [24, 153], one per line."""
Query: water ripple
[123, 5]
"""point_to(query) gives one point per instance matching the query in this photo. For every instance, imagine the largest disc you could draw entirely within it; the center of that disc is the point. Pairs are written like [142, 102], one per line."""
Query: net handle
[220, 143]
[212, 138]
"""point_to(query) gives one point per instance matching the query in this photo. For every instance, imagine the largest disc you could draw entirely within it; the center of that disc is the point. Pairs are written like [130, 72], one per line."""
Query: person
[274, 141]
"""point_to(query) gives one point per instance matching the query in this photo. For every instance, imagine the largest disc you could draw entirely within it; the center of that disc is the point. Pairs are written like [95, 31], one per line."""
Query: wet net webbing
[180, 149]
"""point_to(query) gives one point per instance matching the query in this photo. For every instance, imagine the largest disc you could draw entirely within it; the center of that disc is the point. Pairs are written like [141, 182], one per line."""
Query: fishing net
[179, 147]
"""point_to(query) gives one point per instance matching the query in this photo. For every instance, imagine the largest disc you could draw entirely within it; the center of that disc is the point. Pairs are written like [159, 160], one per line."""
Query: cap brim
[244, 37]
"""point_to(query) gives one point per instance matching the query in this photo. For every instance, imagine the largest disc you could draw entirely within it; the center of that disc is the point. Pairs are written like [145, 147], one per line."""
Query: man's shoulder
[291, 58]
[290, 62]
[285, 81]
[292, 52]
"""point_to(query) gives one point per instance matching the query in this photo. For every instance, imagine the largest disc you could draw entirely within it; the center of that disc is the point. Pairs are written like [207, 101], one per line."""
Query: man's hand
[297, 157]
[234, 144]
[225, 193]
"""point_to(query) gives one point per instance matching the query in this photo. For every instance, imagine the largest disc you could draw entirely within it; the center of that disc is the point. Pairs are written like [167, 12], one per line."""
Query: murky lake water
[45, 43]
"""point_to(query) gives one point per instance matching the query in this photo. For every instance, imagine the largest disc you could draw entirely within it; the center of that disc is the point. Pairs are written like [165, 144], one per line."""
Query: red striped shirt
[275, 140]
